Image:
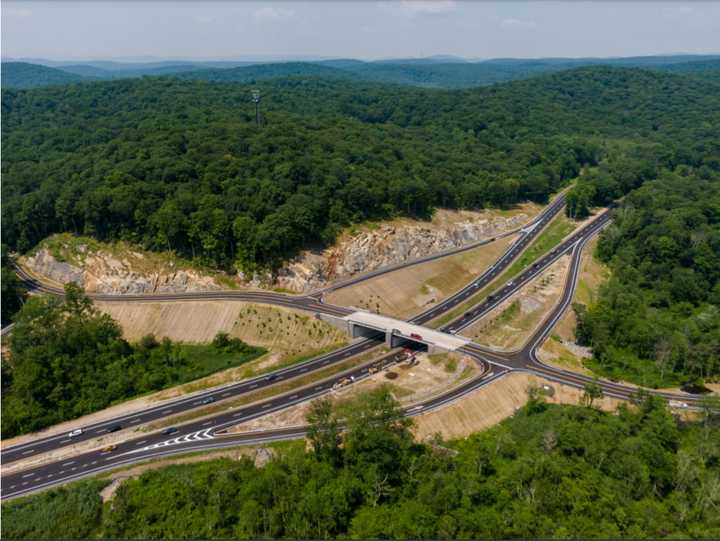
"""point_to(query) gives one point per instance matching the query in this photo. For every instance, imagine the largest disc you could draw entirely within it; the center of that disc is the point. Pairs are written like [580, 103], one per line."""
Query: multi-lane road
[92, 431]
[208, 433]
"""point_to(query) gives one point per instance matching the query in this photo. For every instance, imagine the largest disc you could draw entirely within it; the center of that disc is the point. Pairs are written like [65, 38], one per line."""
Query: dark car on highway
[208, 400]
[170, 430]
[114, 428]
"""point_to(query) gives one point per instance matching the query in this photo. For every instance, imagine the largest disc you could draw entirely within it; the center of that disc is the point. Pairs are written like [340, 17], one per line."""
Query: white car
[75, 433]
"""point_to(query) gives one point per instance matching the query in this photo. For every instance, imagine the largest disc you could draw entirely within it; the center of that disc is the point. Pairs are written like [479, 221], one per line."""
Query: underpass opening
[406, 343]
[359, 331]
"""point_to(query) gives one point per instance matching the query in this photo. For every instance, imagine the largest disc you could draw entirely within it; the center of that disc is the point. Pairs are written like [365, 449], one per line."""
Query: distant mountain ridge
[24, 75]
[442, 71]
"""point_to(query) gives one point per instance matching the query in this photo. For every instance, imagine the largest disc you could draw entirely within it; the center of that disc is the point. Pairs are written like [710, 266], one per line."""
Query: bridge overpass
[361, 324]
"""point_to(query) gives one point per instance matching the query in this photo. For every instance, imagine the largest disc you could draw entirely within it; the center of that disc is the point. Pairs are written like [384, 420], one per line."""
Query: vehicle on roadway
[272, 377]
[109, 448]
[169, 430]
[114, 428]
[208, 400]
[75, 433]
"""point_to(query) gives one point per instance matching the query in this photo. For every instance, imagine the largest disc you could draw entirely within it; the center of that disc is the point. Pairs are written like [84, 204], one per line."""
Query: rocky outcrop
[388, 245]
[102, 272]
[120, 268]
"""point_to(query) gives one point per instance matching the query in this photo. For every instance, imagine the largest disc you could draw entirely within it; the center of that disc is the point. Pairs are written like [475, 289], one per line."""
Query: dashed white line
[68, 463]
[28, 452]
[208, 423]
[141, 442]
[28, 475]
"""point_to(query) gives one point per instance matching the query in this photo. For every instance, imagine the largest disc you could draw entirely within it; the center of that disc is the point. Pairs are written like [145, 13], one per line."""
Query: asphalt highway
[58, 440]
[203, 432]
[209, 432]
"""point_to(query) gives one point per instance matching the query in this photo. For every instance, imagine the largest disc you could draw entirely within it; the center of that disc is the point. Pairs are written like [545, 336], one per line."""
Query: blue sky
[368, 29]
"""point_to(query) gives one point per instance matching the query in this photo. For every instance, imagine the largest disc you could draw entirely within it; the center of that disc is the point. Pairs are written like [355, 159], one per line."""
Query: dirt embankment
[409, 382]
[405, 292]
[510, 324]
[489, 405]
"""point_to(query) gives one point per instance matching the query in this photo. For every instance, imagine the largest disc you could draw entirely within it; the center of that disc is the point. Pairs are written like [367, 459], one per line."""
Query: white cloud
[274, 12]
[517, 24]
[16, 12]
[673, 11]
[420, 7]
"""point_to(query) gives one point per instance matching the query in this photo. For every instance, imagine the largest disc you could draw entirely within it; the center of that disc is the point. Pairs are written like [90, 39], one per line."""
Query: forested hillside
[25, 75]
[657, 321]
[182, 166]
[565, 472]
[66, 359]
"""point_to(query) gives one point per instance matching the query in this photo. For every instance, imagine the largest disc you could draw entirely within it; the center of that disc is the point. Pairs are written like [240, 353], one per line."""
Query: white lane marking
[167, 411]
[253, 386]
[28, 452]
[28, 475]
[266, 406]
[187, 438]
[68, 463]
[238, 414]
[293, 397]
[94, 462]
[64, 441]
[137, 420]
[140, 442]
[208, 423]
[225, 394]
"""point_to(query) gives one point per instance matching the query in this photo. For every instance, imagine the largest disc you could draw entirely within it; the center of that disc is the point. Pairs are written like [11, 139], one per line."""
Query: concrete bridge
[397, 332]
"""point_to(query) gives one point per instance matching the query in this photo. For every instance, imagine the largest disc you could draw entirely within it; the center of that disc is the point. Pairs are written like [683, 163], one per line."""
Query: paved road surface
[94, 430]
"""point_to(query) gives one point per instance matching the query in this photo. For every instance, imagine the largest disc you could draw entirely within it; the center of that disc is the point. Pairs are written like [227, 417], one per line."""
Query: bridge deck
[406, 330]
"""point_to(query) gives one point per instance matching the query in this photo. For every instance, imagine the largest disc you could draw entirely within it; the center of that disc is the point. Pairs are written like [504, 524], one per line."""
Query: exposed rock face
[44, 264]
[101, 272]
[387, 245]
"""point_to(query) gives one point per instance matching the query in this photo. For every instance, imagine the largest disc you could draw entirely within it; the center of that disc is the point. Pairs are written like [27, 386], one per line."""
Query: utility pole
[256, 100]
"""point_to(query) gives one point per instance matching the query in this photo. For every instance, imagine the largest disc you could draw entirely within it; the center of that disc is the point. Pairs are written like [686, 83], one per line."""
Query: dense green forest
[657, 321]
[182, 166]
[66, 359]
[13, 294]
[548, 472]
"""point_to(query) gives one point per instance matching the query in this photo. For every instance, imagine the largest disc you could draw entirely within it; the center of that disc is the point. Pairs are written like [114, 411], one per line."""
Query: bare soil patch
[405, 292]
[489, 405]
[511, 323]
[427, 377]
